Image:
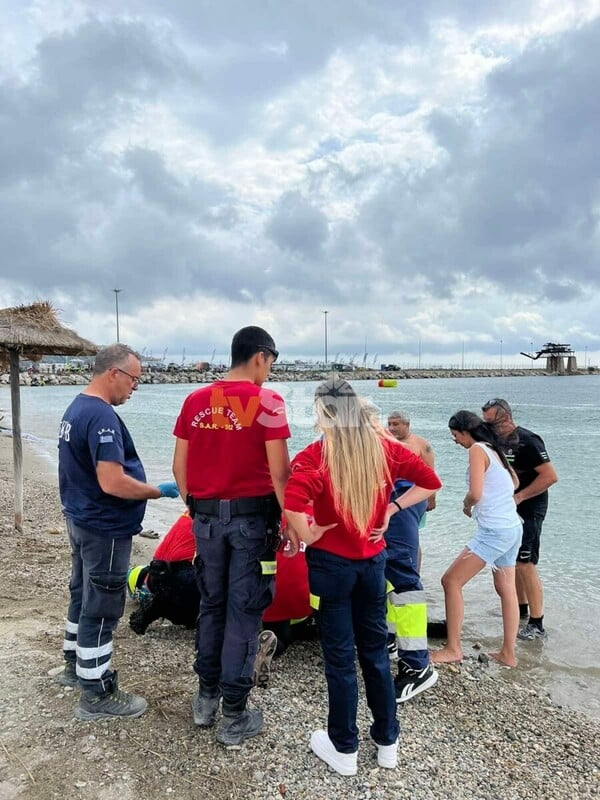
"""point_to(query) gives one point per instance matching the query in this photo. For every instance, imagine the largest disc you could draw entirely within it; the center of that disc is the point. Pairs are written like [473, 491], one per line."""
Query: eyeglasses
[271, 350]
[134, 381]
[496, 402]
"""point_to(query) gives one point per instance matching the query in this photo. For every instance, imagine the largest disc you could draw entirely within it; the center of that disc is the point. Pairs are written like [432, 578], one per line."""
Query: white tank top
[496, 509]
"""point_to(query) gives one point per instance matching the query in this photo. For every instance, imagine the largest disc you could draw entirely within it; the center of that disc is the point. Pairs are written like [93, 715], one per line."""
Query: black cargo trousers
[235, 568]
[99, 564]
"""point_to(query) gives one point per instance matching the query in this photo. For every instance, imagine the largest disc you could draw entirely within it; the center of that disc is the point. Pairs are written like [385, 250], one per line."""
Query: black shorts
[529, 552]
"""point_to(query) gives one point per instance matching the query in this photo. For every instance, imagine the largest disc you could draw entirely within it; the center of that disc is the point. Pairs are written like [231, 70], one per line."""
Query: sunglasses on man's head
[271, 350]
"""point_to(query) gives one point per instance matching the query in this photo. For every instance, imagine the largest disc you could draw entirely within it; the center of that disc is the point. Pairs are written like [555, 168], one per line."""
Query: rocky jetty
[194, 376]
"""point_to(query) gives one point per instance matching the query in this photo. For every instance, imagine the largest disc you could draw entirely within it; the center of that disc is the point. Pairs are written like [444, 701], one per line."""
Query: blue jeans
[99, 566]
[352, 609]
[236, 586]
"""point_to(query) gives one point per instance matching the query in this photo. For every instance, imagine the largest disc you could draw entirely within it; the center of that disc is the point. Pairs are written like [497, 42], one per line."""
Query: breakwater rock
[81, 378]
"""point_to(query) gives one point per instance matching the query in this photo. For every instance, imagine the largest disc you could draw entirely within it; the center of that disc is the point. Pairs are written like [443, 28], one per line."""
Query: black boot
[109, 702]
[238, 724]
[68, 677]
[204, 709]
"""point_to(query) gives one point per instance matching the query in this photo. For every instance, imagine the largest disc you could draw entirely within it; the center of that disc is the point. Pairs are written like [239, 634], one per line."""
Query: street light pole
[325, 315]
[501, 355]
[116, 291]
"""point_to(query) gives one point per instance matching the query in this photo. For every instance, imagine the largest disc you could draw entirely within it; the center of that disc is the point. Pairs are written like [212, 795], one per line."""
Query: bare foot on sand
[502, 658]
[445, 656]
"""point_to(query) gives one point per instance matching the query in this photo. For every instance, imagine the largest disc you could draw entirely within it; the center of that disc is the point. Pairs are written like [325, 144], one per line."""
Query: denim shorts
[498, 548]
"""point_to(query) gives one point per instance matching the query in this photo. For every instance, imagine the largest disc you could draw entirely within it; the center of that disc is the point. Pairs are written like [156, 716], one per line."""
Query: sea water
[564, 410]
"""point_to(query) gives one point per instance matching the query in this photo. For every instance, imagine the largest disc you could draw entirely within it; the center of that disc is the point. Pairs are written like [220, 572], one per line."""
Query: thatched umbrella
[31, 332]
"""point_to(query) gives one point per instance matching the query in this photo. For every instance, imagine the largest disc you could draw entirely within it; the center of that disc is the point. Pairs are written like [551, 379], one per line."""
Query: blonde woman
[348, 476]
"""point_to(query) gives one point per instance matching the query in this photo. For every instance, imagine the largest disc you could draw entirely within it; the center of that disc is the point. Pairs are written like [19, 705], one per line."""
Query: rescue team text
[229, 412]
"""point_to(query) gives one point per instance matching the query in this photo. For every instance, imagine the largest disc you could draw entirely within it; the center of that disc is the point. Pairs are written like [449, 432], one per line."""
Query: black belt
[239, 507]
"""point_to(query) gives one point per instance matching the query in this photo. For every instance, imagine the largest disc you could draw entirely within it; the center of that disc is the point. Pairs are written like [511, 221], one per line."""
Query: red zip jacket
[310, 483]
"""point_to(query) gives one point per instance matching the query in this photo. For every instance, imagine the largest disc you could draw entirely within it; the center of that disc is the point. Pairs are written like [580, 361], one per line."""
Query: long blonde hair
[353, 452]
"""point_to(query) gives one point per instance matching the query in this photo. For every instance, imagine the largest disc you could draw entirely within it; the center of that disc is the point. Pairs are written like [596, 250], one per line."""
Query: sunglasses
[496, 402]
[271, 350]
[135, 381]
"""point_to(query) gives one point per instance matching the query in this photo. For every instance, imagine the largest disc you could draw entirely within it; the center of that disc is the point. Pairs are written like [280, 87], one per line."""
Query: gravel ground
[476, 735]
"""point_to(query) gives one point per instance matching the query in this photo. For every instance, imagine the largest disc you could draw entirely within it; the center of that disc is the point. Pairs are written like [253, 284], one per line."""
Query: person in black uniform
[231, 463]
[527, 455]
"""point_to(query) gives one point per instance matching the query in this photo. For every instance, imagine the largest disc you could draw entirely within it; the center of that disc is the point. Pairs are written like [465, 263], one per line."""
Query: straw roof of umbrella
[34, 331]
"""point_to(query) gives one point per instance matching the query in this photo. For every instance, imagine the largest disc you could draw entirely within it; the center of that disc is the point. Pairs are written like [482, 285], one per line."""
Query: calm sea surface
[565, 411]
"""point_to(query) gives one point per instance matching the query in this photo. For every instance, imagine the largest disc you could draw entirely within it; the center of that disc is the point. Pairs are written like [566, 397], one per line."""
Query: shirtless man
[399, 426]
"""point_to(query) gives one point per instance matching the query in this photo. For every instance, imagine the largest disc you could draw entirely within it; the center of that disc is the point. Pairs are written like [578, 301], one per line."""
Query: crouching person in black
[166, 588]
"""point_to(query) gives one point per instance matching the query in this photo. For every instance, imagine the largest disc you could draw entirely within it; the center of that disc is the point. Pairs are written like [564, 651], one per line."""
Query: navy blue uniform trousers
[235, 574]
[352, 608]
[99, 564]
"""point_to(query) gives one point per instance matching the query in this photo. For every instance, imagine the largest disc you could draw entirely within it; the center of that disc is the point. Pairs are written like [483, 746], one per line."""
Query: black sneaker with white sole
[411, 682]
[392, 647]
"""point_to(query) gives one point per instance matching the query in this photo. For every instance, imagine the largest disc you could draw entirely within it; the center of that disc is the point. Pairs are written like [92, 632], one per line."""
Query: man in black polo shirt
[526, 453]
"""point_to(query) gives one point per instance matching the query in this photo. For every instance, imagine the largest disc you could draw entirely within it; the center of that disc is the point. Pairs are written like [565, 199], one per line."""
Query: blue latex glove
[168, 489]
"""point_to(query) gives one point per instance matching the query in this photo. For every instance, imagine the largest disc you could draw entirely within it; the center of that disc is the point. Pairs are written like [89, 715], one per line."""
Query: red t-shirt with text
[227, 425]
[310, 483]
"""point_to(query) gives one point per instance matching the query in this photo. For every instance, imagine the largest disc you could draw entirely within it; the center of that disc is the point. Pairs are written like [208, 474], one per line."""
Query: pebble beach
[477, 735]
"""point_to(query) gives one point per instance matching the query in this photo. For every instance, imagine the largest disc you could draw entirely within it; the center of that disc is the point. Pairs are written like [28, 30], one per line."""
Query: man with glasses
[103, 491]
[527, 455]
[231, 463]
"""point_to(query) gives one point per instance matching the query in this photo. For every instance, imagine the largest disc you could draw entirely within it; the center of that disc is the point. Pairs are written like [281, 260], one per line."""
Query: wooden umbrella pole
[15, 401]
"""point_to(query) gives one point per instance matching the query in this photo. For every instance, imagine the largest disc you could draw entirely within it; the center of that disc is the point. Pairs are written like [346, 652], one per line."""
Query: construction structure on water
[555, 355]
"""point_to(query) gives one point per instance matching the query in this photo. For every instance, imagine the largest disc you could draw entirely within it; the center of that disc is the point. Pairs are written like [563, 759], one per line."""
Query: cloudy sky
[422, 171]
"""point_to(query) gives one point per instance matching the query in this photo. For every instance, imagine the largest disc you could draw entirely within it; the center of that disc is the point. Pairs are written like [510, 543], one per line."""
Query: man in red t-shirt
[231, 463]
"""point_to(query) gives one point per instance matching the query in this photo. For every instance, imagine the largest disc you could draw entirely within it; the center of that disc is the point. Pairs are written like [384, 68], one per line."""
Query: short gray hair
[401, 415]
[114, 355]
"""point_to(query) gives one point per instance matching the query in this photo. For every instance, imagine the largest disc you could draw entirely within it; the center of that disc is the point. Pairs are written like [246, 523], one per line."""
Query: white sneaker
[322, 746]
[387, 755]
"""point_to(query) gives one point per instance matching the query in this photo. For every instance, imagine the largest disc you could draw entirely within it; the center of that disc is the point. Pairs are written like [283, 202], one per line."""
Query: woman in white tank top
[491, 484]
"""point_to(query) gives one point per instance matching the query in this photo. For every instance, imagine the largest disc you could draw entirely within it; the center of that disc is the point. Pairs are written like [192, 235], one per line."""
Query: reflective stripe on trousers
[407, 617]
[97, 587]
[70, 640]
